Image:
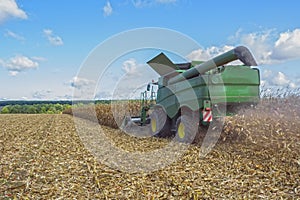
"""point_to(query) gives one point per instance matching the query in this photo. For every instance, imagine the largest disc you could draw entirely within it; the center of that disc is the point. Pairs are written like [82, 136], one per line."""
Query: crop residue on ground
[258, 156]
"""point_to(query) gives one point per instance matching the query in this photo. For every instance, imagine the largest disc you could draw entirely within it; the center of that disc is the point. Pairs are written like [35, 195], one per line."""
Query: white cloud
[107, 9]
[79, 83]
[281, 79]
[18, 64]
[130, 67]
[128, 84]
[83, 88]
[260, 45]
[210, 52]
[293, 85]
[271, 78]
[267, 73]
[199, 54]
[13, 73]
[10, 9]
[270, 47]
[53, 39]
[267, 47]
[141, 3]
[134, 75]
[9, 33]
[266, 77]
[287, 46]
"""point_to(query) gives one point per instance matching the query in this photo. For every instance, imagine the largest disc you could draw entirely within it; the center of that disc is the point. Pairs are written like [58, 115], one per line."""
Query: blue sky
[44, 43]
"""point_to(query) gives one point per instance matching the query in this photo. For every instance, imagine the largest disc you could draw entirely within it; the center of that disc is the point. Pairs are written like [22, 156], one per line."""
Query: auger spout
[240, 52]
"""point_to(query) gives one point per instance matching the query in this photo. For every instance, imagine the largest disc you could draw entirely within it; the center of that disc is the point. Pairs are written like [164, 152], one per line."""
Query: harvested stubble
[258, 157]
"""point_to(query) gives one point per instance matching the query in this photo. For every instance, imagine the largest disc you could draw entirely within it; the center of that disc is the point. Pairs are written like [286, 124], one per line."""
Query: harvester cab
[147, 100]
[189, 94]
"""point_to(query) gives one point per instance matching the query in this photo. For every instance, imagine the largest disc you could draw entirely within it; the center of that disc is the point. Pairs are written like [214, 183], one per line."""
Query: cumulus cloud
[10, 9]
[19, 64]
[208, 53]
[281, 79]
[205, 54]
[259, 43]
[128, 84]
[287, 46]
[107, 9]
[130, 67]
[53, 39]
[13, 73]
[79, 83]
[11, 34]
[133, 81]
[83, 88]
[271, 78]
[267, 74]
[141, 3]
[268, 47]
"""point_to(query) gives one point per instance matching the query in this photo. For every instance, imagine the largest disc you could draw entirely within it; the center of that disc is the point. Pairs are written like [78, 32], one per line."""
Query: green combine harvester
[196, 94]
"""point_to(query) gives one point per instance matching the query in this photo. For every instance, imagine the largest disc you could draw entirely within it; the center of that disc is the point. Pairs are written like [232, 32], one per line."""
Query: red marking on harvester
[207, 115]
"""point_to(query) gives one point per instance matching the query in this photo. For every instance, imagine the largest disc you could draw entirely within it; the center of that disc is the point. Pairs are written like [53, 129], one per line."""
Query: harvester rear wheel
[186, 128]
[160, 123]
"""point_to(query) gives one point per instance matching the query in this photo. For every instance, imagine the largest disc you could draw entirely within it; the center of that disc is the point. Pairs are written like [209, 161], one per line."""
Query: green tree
[59, 108]
[31, 110]
[5, 110]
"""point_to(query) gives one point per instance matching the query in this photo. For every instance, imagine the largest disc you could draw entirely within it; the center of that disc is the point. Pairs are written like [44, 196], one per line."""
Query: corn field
[111, 115]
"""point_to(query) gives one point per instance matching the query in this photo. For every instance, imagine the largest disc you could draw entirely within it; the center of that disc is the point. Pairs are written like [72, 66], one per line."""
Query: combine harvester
[195, 94]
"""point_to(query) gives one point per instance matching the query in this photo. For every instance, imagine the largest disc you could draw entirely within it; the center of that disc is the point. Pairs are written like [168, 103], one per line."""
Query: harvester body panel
[190, 93]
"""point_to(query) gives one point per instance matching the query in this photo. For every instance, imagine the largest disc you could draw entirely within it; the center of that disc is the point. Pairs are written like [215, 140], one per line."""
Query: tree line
[45, 108]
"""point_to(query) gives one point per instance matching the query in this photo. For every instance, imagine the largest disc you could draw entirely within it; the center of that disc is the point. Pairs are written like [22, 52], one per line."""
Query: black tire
[202, 130]
[160, 123]
[186, 128]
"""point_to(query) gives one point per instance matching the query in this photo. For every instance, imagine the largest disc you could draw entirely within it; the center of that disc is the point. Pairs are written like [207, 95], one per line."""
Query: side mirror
[148, 87]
